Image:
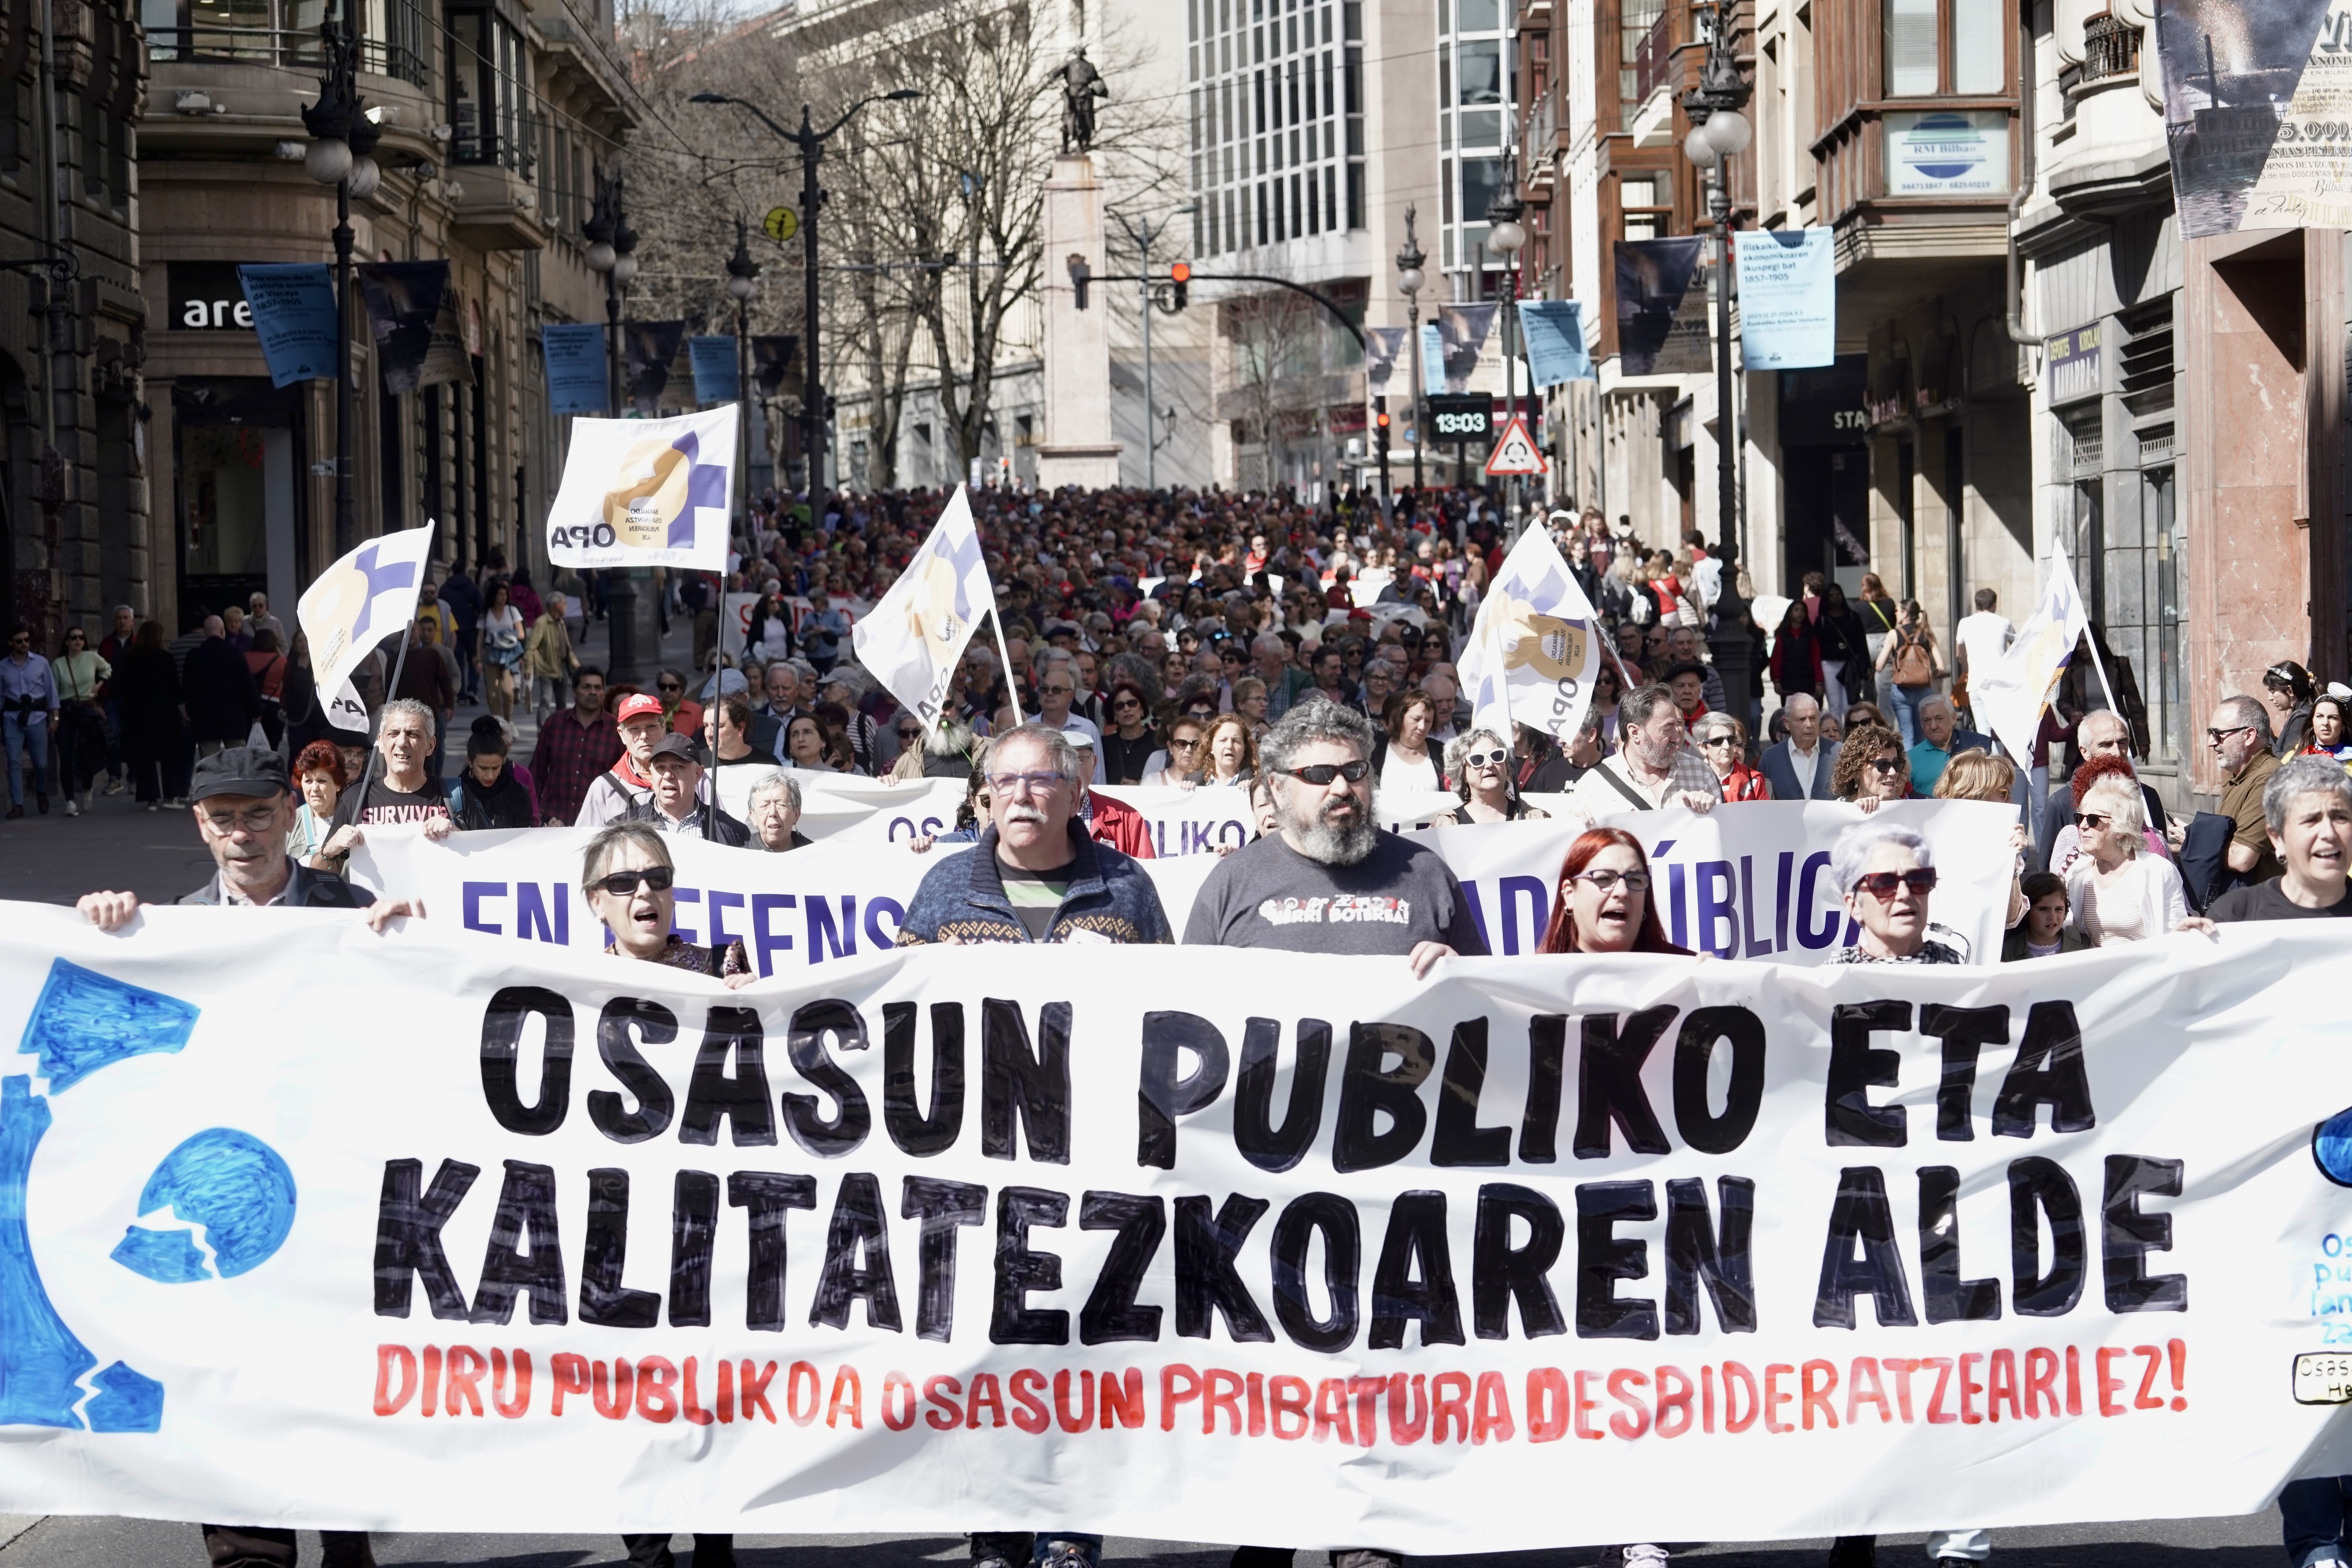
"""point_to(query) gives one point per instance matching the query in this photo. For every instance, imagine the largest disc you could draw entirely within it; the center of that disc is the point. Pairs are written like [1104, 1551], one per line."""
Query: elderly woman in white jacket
[2115, 892]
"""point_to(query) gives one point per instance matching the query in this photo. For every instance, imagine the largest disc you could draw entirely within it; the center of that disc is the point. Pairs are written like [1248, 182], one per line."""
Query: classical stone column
[1076, 447]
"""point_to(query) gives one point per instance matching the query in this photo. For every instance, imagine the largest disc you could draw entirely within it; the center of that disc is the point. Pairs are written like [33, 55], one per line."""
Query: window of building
[1646, 205]
[490, 108]
[1946, 47]
[1475, 114]
[1275, 105]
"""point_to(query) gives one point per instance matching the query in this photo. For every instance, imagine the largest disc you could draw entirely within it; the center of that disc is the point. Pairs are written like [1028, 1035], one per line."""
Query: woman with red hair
[1603, 903]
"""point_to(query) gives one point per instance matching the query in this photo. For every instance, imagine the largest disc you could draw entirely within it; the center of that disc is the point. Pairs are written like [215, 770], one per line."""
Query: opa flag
[914, 635]
[361, 600]
[646, 492]
[1533, 650]
[2009, 698]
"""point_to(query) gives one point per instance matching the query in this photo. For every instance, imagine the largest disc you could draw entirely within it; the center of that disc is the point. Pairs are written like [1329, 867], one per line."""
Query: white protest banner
[2010, 697]
[1214, 817]
[853, 808]
[646, 492]
[990, 1237]
[1751, 880]
[364, 597]
[916, 631]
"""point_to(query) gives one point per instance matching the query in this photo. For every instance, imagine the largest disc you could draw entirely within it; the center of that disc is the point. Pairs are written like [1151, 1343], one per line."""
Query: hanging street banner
[645, 492]
[1553, 331]
[772, 360]
[1384, 350]
[712, 360]
[651, 348]
[403, 304]
[2255, 102]
[1652, 278]
[1787, 298]
[1433, 360]
[1471, 349]
[293, 310]
[992, 1237]
[1747, 881]
[578, 379]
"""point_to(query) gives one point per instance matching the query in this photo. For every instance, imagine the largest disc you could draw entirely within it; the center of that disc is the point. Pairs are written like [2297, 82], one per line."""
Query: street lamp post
[1506, 236]
[811, 143]
[1718, 133]
[743, 283]
[341, 137]
[1410, 279]
[611, 246]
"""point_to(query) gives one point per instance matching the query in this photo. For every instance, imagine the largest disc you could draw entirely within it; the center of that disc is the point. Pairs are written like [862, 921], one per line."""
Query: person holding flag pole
[914, 637]
[364, 596]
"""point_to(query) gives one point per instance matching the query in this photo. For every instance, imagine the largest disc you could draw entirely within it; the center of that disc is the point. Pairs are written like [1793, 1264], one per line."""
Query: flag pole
[1004, 652]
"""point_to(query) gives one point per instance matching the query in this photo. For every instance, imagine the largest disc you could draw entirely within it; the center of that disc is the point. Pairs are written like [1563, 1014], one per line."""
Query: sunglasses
[1322, 773]
[1734, 740]
[624, 884]
[1482, 759]
[1881, 885]
[2218, 736]
[910, 734]
[1605, 883]
[2093, 820]
[1887, 764]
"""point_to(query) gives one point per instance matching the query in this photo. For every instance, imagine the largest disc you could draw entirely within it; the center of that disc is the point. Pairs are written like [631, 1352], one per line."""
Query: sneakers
[113, 786]
[154, 805]
[1059, 1552]
[73, 807]
[1641, 1554]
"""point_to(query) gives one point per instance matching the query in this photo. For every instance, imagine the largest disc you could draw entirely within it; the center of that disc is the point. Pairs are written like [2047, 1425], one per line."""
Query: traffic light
[1380, 428]
[1180, 286]
[1079, 273]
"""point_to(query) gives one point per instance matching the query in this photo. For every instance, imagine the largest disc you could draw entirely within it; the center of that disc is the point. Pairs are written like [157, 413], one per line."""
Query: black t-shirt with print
[2268, 902]
[1267, 894]
[386, 805]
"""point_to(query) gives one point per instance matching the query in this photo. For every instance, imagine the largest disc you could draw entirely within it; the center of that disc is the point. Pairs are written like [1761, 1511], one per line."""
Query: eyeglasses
[253, 819]
[1025, 784]
[1484, 759]
[624, 884]
[2218, 736]
[1881, 885]
[1321, 773]
[1606, 882]
[2095, 821]
[1057, 690]
[1887, 764]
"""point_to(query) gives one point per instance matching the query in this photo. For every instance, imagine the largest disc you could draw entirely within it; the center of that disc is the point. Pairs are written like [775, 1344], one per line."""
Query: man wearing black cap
[245, 809]
[675, 807]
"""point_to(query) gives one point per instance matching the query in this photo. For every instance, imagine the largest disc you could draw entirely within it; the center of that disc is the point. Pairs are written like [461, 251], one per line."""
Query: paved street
[59, 1543]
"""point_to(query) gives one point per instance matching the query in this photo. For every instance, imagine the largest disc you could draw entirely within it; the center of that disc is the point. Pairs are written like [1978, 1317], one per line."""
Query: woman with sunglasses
[2114, 892]
[1176, 763]
[1482, 769]
[1871, 767]
[1885, 874]
[1602, 903]
[1722, 742]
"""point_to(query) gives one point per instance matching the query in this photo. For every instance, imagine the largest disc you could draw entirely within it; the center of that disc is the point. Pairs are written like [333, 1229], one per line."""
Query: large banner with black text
[301, 1225]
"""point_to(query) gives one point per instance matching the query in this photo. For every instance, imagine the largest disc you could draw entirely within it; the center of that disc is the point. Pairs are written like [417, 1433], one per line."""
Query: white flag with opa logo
[913, 636]
[646, 492]
[362, 599]
[1534, 649]
[2009, 698]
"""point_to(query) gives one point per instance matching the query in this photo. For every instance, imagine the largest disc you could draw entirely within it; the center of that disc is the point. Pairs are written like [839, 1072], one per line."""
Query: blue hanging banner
[293, 307]
[715, 376]
[1553, 331]
[577, 379]
[1433, 360]
[1787, 298]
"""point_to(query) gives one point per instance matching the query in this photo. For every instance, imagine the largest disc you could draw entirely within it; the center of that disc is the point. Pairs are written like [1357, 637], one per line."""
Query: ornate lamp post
[1506, 236]
[1718, 133]
[611, 245]
[742, 283]
[1410, 279]
[341, 137]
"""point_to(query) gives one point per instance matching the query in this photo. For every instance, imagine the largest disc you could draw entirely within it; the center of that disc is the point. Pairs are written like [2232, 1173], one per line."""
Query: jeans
[1282, 1556]
[244, 1546]
[1906, 701]
[1019, 1549]
[653, 1550]
[22, 733]
[2312, 1515]
[548, 693]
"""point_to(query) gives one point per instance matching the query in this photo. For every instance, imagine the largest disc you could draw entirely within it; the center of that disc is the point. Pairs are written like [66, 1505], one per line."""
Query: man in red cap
[629, 783]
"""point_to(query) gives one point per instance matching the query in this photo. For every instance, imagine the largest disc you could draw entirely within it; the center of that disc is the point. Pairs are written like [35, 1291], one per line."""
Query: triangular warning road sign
[1515, 452]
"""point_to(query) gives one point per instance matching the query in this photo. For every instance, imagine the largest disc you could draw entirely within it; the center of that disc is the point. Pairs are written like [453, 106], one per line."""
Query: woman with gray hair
[1479, 763]
[1722, 742]
[2114, 892]
[773, 807]
[1885, 874]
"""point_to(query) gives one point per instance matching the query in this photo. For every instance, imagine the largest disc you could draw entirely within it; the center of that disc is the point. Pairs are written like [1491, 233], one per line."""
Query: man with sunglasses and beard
[1331, 879]
[1884, 873]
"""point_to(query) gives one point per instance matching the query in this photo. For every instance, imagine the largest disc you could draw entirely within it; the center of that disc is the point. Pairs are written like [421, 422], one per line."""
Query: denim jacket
[1111, 898]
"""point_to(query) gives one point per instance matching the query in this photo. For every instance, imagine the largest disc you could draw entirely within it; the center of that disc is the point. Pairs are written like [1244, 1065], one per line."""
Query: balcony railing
[1654, 57]
[2110, 48]
[278, 47]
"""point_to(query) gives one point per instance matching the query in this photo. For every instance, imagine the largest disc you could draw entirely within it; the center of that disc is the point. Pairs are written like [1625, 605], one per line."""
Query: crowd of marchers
[1308, 656]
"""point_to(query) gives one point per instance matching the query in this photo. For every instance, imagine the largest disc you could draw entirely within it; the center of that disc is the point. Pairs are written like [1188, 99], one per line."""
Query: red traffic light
[1382, 419]
[1181, 272]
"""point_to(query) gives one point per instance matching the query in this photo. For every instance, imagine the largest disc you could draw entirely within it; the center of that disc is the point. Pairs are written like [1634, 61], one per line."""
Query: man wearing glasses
[1035, 875]
[1057, 689]
[1655, 767]
[1331, 879]
[2240, 738]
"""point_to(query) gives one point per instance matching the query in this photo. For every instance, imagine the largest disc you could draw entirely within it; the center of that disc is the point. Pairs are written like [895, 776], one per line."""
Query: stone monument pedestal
[1077, 446]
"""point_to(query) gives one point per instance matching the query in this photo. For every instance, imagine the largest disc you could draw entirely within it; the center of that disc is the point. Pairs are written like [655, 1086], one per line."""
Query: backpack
[1912, 665]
